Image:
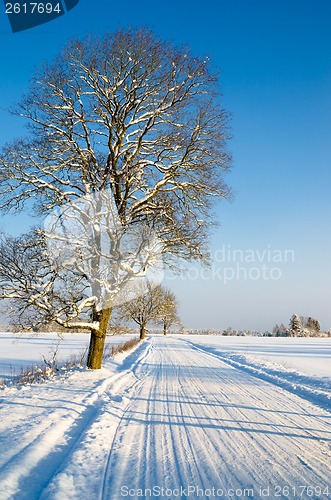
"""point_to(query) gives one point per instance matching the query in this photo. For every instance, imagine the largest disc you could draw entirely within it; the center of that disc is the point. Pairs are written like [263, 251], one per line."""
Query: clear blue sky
[276, 62]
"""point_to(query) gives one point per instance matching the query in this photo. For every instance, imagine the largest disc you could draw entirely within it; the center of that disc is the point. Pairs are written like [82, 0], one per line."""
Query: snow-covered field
[26, 350]
[181, 416]
[311, 356]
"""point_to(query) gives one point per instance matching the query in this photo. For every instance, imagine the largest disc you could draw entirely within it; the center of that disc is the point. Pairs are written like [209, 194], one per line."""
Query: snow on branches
[127, 143]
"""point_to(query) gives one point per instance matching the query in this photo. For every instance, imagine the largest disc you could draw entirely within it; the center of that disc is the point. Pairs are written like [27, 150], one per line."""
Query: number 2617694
[33, 8]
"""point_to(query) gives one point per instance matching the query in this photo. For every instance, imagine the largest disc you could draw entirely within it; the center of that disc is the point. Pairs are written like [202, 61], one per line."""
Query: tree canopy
[127, 114]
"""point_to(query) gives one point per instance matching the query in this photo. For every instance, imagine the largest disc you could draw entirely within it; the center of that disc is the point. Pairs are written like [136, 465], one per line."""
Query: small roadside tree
[129, 115]
[145, 307]
[168, 313]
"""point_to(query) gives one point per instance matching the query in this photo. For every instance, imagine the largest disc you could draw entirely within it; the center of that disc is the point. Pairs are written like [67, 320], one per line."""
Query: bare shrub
[112, 349]
[52, 366]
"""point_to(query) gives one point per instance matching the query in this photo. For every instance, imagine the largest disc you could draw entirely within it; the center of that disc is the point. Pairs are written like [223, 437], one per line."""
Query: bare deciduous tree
[145, 308]
[130, 114]
[168, 313]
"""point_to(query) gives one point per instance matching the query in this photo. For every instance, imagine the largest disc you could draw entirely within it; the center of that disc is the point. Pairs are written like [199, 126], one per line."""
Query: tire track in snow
[174, 415]
[316, 396]
[93, 448]
[285, 423]
[55, 439]
[213, 443]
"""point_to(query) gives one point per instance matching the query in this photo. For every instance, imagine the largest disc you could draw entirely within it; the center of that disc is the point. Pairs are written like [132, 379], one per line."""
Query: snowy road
[172, 416]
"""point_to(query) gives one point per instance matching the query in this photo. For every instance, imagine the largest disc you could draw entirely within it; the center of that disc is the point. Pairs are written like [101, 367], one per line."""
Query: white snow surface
[176, 412]
[26, 350]
[308, 355]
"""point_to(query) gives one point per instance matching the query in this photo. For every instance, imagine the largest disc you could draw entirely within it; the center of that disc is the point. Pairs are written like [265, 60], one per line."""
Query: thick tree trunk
[142, 332]
[97, 339]
[164, 329]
